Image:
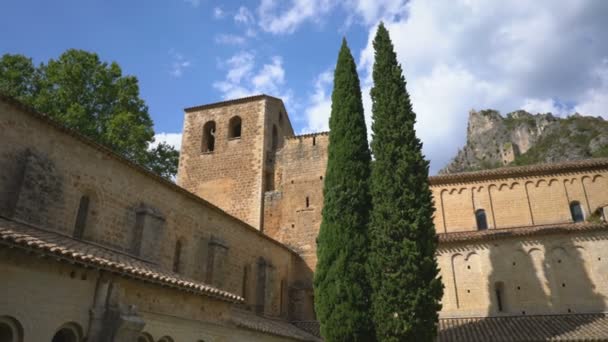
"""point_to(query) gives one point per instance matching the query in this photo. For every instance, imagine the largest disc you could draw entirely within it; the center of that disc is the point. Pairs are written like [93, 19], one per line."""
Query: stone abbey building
[95, 248]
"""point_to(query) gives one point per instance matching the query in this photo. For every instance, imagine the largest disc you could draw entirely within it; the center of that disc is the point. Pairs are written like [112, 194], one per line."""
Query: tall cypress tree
[403, 266]
[341, 288]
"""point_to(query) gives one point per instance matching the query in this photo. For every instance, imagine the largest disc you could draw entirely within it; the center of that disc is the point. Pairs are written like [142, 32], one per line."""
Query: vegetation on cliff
[340, 285]
[403, 268]
[521, 138]
[93, 97]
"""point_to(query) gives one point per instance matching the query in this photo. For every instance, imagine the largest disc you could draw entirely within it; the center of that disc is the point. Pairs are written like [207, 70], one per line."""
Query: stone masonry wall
[513, 202]
[234, 175]
[41, 295]
[231, 175]
[293, 212]
[66, 169]
[553, 274]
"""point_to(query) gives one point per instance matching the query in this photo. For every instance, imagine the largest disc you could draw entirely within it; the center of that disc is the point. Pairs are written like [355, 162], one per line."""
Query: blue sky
[458, 55]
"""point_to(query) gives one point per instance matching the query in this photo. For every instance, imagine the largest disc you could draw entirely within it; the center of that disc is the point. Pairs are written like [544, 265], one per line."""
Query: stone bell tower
[228, 153]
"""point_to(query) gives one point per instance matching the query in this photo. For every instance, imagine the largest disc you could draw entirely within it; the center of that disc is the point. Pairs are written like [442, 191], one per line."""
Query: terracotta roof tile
[58, 245]
[249, 320]
[493, 234]
[571, 327]
[521, 171]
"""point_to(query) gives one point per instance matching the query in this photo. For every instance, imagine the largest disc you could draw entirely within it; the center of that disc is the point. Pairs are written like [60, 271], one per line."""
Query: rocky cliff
[522, 138]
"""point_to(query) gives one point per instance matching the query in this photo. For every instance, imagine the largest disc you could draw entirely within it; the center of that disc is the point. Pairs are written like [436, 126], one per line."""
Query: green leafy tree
[341, 288]
[403, 267]
[17, 77]
[94, 98]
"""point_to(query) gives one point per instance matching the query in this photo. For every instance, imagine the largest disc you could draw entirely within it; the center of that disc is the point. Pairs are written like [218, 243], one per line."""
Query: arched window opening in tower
[81, 217]
[208, 143]
[480, 217]
[576, 211]
[234, 127]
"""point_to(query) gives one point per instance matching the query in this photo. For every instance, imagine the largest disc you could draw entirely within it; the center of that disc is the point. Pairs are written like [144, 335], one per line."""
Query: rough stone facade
[237, 171]
[94, 247]
[507, 198]
[81, 197]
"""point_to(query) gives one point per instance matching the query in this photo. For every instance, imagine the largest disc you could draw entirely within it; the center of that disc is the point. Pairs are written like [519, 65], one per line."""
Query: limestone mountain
[521, 138]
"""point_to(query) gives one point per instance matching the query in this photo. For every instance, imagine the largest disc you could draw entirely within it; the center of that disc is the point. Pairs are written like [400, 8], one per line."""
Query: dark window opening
[480, 217]
[577, 212]
[177, 256]
[275, 138]
[269, 181]
[261, 285]
[280, 117]
[81, 217]
[282, 297]
[208, 144]
[6, 333]
[65, 335]
[144, 337]
[234, 130]
[314, 141]
[307, 202]
[498, 287]
[245, 281]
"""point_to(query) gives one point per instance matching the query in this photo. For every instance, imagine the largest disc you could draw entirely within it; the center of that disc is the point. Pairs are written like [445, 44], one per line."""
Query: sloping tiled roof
[493, 234]
[572, 327]
[521, 171]
[57, 245]
[251, 321]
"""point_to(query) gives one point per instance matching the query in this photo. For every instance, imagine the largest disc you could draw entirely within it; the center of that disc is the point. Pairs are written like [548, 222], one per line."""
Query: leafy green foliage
[94, 98]
[17, 77]
[341, 287]
[403, 267]
[570, 136]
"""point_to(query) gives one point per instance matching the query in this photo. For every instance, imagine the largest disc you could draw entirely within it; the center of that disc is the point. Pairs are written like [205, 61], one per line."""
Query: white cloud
[173, 139]
[271, 75]
[466, 54]
[595, 100]
[194, 3]
[230, 39]
[244, 16]
[178, 64]
[243, 79]
[319, 108]
[536, 106]
[279, 19]
[373, 10]
[284, 17]
[218, 13]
